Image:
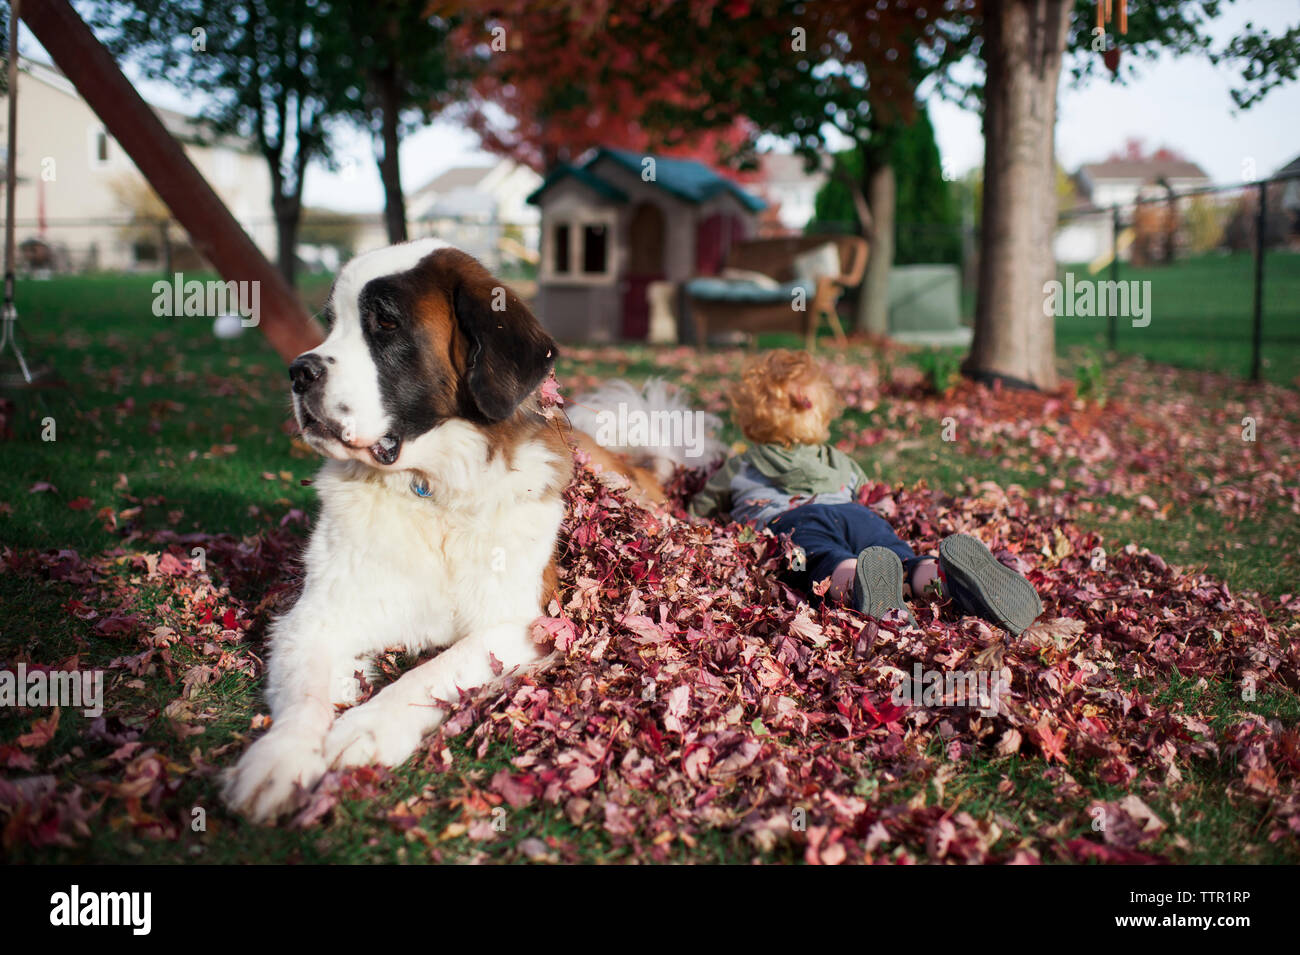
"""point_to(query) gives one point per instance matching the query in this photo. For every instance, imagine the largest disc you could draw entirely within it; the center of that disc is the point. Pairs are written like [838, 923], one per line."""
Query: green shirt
[803, 470]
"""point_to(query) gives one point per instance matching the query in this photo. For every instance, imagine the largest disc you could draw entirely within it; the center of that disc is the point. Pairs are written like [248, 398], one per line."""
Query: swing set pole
[8, 336]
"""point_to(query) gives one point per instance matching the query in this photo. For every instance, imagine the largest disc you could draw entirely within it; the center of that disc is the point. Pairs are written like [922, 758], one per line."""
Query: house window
[561, 249]
[594, 253]
[99, 157]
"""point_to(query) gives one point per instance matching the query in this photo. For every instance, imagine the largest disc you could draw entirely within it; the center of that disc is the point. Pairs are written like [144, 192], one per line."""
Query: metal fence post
[1112, 331]
[1257, 341]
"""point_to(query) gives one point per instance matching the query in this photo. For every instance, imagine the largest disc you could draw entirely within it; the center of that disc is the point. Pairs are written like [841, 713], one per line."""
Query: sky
[1181, 103]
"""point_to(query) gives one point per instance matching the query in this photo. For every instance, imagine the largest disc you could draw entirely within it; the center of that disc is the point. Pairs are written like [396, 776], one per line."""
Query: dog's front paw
[370, 734]
[268, 778]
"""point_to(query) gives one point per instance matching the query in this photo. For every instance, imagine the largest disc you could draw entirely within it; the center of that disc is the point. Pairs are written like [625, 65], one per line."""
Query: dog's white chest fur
[461, 568]
[426, 571]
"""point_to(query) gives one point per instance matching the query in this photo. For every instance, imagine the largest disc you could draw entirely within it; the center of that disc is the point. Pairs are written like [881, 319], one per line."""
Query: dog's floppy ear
[509, 353]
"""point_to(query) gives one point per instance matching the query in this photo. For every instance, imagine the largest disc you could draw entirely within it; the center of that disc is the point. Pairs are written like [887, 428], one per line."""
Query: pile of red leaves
[690, 690]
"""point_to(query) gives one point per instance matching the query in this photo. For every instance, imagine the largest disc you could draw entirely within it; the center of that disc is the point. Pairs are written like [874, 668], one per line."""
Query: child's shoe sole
[985, 588]
[878, 584]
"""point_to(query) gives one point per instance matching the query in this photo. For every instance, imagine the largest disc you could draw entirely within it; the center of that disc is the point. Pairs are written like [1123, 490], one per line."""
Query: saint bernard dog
[440, 504]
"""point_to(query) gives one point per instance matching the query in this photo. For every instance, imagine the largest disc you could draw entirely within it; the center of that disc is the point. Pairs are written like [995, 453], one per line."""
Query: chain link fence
[138, 244]
[1203, 278]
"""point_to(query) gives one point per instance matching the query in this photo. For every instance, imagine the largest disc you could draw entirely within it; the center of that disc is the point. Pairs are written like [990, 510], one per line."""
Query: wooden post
[217, 236]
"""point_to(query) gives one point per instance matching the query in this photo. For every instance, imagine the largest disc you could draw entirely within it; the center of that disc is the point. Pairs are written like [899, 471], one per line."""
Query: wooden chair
[775, 258]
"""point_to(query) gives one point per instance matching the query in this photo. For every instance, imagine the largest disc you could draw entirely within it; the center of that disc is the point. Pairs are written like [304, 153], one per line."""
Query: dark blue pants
[831, 533]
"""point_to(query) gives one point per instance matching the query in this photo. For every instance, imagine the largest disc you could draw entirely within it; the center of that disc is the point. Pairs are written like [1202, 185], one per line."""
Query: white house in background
[72, 175]
[482, 209]
[786, 186]
[1118, 182]
[1290, 202]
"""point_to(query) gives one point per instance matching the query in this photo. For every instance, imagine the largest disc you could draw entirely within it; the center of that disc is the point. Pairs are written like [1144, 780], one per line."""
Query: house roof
[461, 203]
[684, 178]
[580, 173]
[1146, 170]
[189, 129]
[457, 177]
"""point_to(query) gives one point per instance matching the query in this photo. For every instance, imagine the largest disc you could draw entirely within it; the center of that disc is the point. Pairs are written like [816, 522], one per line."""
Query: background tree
[552, 81]
[397, 72]
[927, 220]
[257, 68]
[1024, 49]
[815, 74]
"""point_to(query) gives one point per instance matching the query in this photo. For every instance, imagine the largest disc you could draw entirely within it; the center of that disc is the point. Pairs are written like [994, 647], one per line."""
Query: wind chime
[1106, 11]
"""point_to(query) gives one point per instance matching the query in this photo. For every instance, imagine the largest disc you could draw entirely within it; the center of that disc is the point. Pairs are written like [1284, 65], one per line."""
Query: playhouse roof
[684, 178]
[580, 173]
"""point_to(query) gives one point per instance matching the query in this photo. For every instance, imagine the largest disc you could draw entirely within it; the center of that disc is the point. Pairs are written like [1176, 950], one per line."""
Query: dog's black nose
[305, 371]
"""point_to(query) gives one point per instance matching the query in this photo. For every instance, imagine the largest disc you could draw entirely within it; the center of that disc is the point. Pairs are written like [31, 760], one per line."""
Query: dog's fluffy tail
[652, 426]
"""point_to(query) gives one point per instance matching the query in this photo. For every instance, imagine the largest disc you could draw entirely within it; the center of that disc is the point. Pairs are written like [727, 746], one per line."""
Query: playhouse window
[561, 249]
[581, 249]
[594, 258]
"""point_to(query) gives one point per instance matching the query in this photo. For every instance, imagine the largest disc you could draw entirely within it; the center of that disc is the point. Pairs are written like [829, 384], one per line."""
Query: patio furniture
[719, 303]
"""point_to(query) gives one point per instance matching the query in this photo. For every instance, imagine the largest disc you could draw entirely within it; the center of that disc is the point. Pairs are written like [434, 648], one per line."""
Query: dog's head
[421, 334]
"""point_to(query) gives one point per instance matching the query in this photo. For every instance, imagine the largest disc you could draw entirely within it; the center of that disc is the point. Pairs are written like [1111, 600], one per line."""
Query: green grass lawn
[172, 429]
[1202, 314]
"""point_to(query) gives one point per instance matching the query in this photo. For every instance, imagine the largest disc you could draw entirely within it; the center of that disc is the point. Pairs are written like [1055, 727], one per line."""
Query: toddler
[792, 481]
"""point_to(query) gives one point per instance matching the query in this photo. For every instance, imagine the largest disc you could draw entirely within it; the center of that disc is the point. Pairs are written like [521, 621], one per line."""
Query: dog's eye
[385, 319]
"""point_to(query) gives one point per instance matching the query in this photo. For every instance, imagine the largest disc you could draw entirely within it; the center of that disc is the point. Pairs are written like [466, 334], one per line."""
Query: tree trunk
[1024, 42]
[387, 93]
[873, 300]
[288, 217]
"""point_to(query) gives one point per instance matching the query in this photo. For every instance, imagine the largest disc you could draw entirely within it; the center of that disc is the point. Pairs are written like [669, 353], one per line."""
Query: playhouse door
[646, 233]
[636, 307]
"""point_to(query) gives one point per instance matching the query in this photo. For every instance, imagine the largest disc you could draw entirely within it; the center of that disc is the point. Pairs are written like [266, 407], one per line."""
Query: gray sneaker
[982, 587]
[878, 584]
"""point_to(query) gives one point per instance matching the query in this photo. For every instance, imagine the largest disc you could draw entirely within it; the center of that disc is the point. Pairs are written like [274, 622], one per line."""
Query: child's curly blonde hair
[784, 398]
